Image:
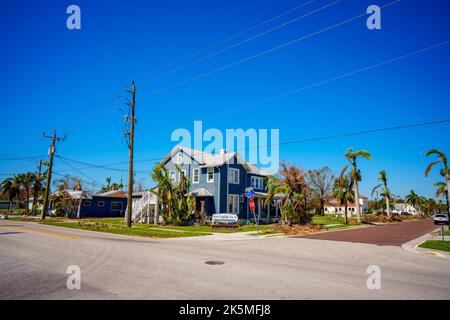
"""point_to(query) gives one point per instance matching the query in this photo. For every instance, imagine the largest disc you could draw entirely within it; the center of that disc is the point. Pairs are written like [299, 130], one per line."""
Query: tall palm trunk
[345, 215]
[35, 198]
[388, 208]
[27, 195]
[358, 213]
[448, 190]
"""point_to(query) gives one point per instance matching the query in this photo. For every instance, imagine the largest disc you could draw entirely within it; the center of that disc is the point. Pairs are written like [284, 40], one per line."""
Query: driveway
[382, 235]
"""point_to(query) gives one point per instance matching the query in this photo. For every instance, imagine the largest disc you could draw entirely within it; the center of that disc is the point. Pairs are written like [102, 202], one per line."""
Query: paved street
[34, 259]
[382, 235]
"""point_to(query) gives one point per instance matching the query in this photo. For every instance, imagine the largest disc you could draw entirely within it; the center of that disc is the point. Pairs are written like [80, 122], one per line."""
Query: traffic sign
[250, 194]
[252, 204]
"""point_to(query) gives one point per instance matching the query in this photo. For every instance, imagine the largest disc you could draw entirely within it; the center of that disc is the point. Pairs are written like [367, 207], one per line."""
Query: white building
[333, 207]
[404, 208]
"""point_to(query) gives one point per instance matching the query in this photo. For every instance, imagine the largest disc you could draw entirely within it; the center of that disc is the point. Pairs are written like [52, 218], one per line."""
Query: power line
[184, 66]
[286, 44]
[337, 136]
[363, 132]
[23, 158]
[323, 82]
[195, 53]
[83, 174]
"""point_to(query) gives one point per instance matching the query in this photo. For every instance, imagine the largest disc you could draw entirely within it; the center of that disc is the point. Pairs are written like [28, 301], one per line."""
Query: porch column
[148, 210]
[259, 208]
[276, 210]
[79, 209]
[155, 215]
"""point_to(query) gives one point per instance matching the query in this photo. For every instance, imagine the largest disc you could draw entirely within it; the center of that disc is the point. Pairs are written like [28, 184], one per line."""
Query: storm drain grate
[214, 263]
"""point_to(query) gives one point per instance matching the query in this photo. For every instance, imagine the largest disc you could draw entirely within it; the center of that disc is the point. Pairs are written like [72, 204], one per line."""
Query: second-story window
[182, 173]
[196, 176]
[257, 182]
[210, 175]
[233, 175]
[172, 175]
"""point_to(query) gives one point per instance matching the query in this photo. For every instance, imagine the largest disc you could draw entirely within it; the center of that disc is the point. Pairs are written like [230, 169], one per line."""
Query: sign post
[250, 196]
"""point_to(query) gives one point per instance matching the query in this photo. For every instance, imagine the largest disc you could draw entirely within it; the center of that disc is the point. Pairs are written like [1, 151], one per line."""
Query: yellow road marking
[42, 232]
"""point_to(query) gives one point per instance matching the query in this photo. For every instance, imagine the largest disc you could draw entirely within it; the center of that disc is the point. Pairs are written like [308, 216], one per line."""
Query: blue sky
[52, 77]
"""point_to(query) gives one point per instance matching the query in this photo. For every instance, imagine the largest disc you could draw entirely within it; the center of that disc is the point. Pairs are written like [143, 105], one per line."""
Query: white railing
[142, 211]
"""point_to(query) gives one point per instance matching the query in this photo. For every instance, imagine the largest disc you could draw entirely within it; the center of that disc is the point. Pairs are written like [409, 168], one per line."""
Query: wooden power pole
[130, 135]
[51, 152]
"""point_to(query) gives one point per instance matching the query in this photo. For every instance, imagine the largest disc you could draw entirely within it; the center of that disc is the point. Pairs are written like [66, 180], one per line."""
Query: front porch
[267, 214]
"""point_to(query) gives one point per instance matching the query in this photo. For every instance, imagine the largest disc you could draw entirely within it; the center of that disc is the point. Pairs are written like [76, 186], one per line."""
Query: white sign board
[224, 218]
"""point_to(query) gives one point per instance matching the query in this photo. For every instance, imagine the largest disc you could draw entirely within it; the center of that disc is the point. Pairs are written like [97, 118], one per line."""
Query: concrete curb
[413, 247]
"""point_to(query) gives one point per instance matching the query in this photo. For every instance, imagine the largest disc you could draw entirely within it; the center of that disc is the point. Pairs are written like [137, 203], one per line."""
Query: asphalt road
[382, 235]
[34, 259]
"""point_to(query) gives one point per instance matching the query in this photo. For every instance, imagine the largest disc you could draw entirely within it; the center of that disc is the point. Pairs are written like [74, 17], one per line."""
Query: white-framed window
[86, 203]
[210, 175]
[257, 182]
[116, 206]
[233, 203]
[233, 175]
[183, 172]
[179, 157]
[100, 203]
[196, 176]
[173, 176]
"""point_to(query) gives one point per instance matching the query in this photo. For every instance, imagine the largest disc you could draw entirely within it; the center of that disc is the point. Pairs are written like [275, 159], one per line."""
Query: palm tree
[414, 199]
[77, 185]
[342, 190]
[10, 188]
[291, 189]
[445, 172]
[108, 183]
[352, 157]
[321, 182]
[177, 206]
[26, 181]
[382, 176]
[441, 189]
[62, 184]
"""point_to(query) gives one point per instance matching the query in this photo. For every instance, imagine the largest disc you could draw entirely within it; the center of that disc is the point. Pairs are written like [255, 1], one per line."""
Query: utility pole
[37, 183]
[51, 152]
[129, 134]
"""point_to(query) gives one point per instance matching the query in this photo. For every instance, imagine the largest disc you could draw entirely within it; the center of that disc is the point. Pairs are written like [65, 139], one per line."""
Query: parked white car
[441, 218]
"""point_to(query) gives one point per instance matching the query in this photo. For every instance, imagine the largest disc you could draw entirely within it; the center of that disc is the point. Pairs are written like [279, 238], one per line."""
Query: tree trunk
[345, 215]
[27, 193]
[448, 190]
[322, 206]
[358, 213]
[388, 210]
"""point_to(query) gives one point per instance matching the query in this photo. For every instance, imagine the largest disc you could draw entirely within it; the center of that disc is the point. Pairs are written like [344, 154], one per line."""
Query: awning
[200, 192]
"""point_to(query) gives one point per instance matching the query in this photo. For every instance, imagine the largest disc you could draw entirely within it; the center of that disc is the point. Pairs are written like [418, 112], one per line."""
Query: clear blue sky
[71, 80]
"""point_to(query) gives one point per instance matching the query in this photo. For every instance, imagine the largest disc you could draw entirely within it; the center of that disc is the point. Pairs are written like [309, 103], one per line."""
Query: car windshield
[441, 216]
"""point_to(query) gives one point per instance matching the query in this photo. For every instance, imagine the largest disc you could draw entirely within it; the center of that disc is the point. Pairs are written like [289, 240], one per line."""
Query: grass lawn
[117, 225]
[332, 222]
[436, 245]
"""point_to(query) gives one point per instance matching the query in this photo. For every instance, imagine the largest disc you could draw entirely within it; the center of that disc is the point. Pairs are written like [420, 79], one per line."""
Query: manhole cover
[214, 263]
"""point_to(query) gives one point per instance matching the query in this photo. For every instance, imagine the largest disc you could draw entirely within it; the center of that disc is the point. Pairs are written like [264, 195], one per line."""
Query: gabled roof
[207, 159]
[200, 192]
[112, 194]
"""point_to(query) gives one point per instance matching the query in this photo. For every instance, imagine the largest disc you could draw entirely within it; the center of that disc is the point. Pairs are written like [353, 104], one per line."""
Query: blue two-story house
[219, 181]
